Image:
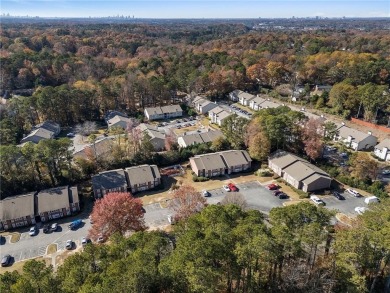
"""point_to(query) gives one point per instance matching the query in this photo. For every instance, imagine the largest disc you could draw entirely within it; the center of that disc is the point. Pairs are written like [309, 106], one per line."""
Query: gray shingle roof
[235, 158]
[153, 110]
[245, 96]
[117, 119]
[171, 109]
[357, 135]
[202, 137]
[225, 159]
[53, 199]
[258, 100]
[17, 207]
[40, 132]
[48, 125]
[216, 110]
[142, 174]
[383, 144]
[101, 147]
[296, 167]
[163, 109]
[109, 179]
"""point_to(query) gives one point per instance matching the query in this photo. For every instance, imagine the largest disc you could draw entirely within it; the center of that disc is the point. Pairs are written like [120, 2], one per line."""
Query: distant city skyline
[197, 9]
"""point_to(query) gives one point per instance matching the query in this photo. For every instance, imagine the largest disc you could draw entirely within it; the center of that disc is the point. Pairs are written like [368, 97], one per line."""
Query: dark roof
[112, 113]
[49, 125]
[109, 179]
[55, 198]
[142, 174]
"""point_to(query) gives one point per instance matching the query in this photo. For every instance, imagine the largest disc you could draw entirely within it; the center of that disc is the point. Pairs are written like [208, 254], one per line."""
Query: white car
[316, 200]
[206, 193]
[361, 210]
[226, 188]
[69, 244]
[353, 192]
[385, 172]
[85, 241]
[33, 231]
[171, 220]
[331, 148]
[100, 238]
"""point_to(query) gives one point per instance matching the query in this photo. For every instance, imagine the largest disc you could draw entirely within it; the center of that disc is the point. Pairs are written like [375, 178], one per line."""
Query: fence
[372, 125]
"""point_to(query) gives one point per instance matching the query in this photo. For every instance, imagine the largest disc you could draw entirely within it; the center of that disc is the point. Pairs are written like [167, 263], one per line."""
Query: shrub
[196, 178]
[263, 172]
[301, 193]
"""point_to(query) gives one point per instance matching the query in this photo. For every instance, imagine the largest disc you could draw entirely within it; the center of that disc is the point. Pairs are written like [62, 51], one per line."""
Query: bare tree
[86, 128]
[186, 201]
[236, 199]
[134, 136]
[170, 140]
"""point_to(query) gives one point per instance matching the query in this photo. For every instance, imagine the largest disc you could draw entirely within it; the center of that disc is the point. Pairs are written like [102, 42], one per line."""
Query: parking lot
[33, 246]
[256, 196]
[346, 206]
[235, 109]
[177, 123]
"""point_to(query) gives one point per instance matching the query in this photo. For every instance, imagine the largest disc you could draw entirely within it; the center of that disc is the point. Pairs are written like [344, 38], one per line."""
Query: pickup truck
[75, 224]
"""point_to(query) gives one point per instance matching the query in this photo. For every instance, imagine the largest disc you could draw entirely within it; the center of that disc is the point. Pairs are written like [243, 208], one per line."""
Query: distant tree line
[130, 66]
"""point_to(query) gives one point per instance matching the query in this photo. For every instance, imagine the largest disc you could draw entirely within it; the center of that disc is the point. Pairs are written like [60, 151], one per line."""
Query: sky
[197, 8]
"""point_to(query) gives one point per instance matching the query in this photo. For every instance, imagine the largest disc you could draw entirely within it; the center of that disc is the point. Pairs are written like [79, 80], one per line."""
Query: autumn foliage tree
[186, 201]
[363, 166]
[312, 138]
[116, 212]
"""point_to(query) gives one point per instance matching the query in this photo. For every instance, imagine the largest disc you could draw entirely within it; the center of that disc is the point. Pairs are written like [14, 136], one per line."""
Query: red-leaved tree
[116, 212]
[186, 201]
[169, 140]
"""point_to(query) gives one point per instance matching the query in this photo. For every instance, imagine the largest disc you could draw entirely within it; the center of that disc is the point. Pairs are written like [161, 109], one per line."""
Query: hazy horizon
[199, 9]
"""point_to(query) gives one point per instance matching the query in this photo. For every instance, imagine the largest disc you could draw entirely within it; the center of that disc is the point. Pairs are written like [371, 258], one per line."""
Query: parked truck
[75, 224]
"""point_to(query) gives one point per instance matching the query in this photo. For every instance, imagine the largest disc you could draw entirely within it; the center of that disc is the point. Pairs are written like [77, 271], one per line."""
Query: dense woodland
[226, 249]
[88, 69]
[76, 72]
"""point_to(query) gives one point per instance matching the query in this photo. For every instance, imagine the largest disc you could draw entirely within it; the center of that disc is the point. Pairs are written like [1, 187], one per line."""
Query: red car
[272, 186]
[232, 187]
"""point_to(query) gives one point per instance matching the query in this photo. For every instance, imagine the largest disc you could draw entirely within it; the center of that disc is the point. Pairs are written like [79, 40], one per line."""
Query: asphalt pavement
[156, 216]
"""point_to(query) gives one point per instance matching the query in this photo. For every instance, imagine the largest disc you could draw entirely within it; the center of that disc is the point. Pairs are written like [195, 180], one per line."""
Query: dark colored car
[6, 260]
[282, 195]
[277, 192]
[46, 228]
[338, 195]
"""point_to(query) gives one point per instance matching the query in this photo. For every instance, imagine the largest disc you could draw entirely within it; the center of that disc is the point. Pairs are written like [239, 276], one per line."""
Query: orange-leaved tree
[116, 212]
